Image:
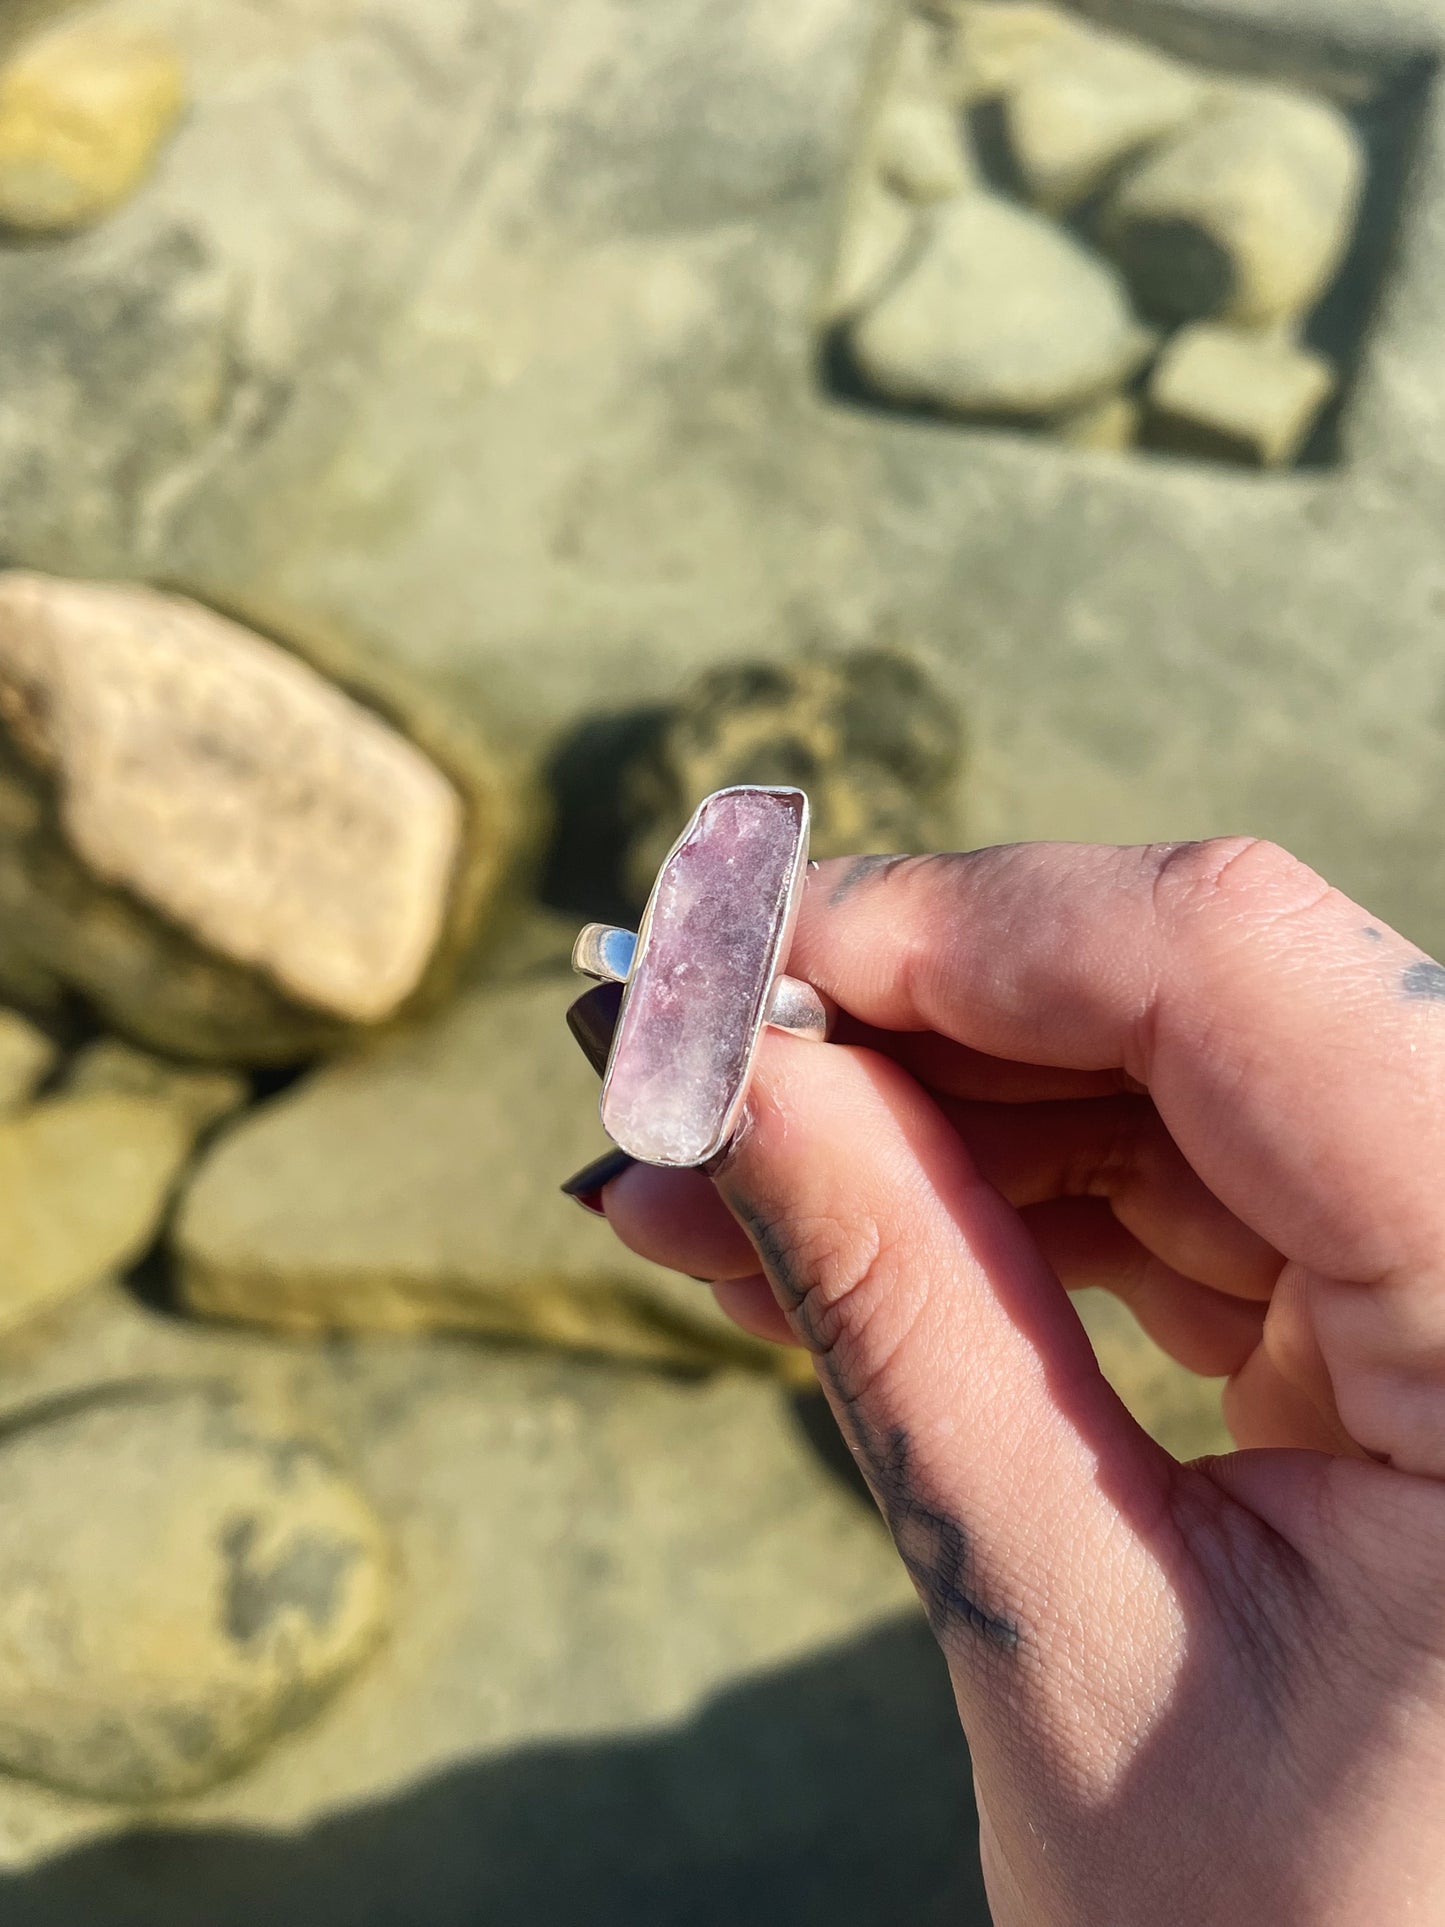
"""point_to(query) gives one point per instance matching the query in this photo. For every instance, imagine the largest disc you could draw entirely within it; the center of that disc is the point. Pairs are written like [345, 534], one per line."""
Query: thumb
[1029, 1508]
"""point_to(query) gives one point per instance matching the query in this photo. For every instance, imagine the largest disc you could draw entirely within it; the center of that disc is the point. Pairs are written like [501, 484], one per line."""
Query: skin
[1199, 1076]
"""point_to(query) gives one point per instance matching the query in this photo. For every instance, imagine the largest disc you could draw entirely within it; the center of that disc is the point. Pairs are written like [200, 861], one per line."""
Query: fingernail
[588, 1184]
[592, 1020]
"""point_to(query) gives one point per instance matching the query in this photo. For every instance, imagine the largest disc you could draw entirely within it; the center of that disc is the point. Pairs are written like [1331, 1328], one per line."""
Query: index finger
[1294, 1046]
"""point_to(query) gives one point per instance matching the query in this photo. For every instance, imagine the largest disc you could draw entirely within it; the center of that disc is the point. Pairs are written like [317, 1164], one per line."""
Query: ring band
[605, 953]
[703, 977]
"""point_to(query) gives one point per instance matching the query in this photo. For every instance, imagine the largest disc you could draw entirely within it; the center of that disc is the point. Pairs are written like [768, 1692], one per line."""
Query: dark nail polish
[588, 1184]
[592, 1020]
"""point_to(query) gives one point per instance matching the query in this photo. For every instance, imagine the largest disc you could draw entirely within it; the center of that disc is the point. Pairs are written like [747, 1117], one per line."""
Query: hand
[1198, 1076]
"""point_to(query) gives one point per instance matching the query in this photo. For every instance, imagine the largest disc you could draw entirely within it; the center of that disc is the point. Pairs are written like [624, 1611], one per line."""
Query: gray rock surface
[1000, 313]
[415, 1188]
[186, 1580]
[84, 109]
[26, 1055]
[1249, 395]
[1245, 214]
[222, 807]
[84, 1184]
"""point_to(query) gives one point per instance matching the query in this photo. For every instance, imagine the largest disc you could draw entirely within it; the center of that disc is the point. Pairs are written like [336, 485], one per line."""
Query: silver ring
[703, 978]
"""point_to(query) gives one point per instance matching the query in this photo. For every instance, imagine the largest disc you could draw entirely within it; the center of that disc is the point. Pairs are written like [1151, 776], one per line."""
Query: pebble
[919, 149]
[877, 229]
[1108, 426]
[1085, 105]
[26, 1057]
[1242, 216]
[201, 1094]
[84, 1183]
[1251, 397]
[989, 47]
[870, 735]
[84, 111]
[1001, 313]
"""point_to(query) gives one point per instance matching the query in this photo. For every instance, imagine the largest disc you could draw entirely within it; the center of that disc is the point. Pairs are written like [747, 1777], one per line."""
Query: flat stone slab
[416, 1188]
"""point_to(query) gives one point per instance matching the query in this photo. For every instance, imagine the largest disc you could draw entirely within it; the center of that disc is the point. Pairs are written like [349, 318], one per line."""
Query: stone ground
[487, 333]
[648, 1638]
[482, 336]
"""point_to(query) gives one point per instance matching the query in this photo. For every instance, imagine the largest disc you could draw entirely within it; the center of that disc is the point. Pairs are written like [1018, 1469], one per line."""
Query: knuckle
[1228, 879]
[834, 1262]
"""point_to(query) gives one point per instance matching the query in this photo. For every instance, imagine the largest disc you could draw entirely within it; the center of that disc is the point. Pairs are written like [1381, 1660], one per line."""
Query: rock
[415, 1189]
[84, 1183]
[643, 1612]
[1175, 1406]
[1244, 215]
[1086, 104]
[870, 737]
[1000, 313]
[26, 1056]
[876, 233]
[84, 110]
[990, 47]
[548, 434]
[187, 1580]
[919, 149]
[1109, 426]
[201, 1096]
[249, 862]
[1247, 397]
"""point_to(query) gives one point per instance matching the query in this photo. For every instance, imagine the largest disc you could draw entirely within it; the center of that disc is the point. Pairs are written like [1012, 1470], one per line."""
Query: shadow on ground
[837, 1792]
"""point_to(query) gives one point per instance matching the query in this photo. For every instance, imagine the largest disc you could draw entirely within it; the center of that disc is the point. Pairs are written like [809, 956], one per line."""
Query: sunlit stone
[709, 952]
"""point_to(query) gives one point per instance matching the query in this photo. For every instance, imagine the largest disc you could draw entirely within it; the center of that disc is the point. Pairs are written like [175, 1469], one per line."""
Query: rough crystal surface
[718, 918]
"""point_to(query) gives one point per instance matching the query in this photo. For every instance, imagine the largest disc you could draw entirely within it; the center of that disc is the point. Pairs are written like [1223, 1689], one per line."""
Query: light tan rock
[26, 1055]
[201, 1096]
[1242, 216]
[187, 1578]
[226, 784]
[1000, 313]
[915, 65]
[84, 109]
[416, 1188]
[84, 1182]
[221, 849]
[989, 47]
[1249, 397]
[1086, 104]
[919, 150]
[1108, 426]
[878, 228]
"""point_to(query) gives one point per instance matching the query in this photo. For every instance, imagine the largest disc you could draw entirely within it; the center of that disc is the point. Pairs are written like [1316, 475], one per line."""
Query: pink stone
[710, 947]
